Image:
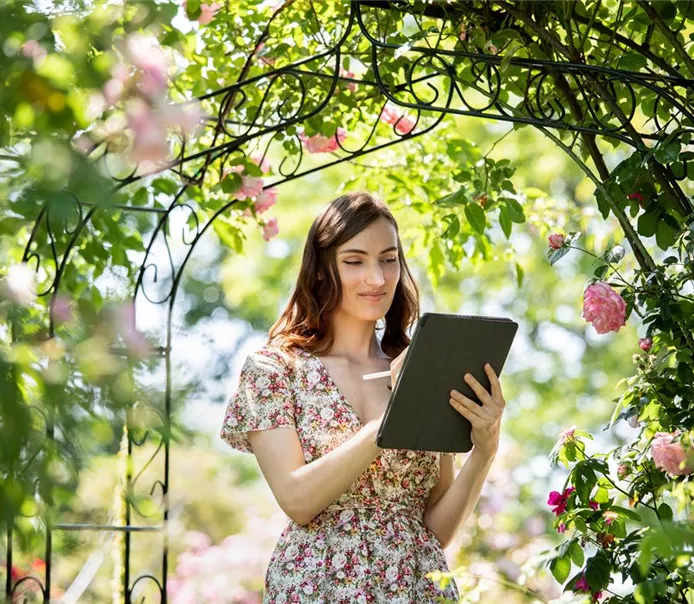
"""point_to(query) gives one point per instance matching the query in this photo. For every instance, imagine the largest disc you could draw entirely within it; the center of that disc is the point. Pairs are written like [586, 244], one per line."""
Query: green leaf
[631, 514]
[560, 568]
[632, 61]
[665, 234]
[476, 217]
[454, 199]
[453, 227]
[648, 223]
[554, 255]
[584, 480]
[665, 511]
[515, 210]
[519, 275]
[505, 222]
[576, 553]
[668, 153]
[598, 571]
[193, 9]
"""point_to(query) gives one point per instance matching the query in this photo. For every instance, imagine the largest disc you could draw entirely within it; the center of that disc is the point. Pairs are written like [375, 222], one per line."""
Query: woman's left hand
[485, 419]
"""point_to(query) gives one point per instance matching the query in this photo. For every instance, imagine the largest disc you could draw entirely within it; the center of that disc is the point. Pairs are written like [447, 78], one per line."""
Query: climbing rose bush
[626, 514]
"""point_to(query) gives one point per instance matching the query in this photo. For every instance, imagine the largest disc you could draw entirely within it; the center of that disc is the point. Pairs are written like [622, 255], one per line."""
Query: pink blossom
[351, 86]
[668, 455]
[645, 344]
[610, 517]
[134, 340]
[567, 435]
[636, 196]
[63, 309]
[582, 586]
[186, 116]
[559, 500]
[392, 115]
[208, 11]
[266, 60]
[489, 47]
[604, 308]
[32, 49]
[323, 144]
[114, 88]
[250, 187]
[561, 528]
[261, 161]
[145, 53]
[556, 241]
[594, 504]
[266, 200]
[149, 134]
[196, 541]
[270, 229]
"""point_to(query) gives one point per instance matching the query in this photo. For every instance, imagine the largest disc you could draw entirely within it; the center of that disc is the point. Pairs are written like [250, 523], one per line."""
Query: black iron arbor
[526, 63]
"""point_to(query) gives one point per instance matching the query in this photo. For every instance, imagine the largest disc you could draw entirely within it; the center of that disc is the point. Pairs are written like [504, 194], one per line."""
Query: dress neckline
[324, 370]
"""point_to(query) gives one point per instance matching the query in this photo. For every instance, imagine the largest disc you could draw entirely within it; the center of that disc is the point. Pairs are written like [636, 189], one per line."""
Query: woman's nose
[375, 275]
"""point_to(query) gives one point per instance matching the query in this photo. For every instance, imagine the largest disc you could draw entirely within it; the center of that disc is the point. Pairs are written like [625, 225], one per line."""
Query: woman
[366, 524]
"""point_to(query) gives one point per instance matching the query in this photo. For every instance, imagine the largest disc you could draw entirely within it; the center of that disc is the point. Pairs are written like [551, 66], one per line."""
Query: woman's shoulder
[273, 357]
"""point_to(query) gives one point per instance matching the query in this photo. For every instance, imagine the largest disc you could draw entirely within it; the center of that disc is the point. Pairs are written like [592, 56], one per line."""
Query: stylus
[375, 376]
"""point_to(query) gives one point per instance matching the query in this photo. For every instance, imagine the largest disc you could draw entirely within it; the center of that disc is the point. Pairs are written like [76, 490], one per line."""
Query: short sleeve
[263, 399]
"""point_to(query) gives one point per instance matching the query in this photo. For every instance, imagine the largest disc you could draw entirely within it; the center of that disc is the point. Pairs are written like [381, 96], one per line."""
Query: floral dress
[370, 544]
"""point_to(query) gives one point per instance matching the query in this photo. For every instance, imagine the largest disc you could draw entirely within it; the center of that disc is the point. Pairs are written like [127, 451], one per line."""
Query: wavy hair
[305, 322]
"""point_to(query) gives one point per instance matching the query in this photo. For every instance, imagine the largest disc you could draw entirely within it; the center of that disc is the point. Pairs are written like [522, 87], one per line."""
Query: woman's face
[369, 270]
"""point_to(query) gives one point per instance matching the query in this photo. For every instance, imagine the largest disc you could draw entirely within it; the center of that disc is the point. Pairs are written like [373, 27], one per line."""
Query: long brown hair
[305, 323]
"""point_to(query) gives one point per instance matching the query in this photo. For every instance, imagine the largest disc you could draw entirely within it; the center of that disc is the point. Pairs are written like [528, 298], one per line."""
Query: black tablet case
[443, 349]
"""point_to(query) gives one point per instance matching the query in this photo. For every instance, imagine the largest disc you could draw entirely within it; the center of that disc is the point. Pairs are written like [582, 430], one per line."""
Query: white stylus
[375, 376]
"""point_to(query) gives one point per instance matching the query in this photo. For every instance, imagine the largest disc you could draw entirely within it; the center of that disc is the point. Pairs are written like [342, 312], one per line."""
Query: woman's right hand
[396, 366]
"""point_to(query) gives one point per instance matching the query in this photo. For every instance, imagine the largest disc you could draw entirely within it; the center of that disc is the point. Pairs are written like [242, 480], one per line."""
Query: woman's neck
[355, 339]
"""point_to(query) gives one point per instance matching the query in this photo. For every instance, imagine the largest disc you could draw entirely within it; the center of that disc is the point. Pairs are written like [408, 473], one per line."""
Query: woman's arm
[447, 513]
[304, 490]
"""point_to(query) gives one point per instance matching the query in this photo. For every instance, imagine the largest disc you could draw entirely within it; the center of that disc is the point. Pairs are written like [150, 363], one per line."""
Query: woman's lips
[372, 297]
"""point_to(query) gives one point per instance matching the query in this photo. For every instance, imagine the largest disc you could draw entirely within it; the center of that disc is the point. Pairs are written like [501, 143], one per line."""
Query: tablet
[443, 349]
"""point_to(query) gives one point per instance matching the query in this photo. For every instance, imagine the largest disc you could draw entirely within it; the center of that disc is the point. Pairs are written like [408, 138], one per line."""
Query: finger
[479, 390]
[494, 381]
[462, 402]
[474, 419]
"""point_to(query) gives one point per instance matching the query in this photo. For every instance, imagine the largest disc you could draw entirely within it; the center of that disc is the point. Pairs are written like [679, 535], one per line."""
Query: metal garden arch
[440, 80]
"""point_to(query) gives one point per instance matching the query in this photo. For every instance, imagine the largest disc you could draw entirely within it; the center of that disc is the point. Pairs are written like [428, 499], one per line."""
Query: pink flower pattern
[370, 544]
[323, 144]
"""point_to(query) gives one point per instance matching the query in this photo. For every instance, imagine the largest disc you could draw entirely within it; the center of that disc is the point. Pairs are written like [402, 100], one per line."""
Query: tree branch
[667, 32]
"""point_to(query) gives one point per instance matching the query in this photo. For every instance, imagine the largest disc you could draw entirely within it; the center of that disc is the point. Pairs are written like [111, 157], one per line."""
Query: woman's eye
[355, 262]
[391, 260]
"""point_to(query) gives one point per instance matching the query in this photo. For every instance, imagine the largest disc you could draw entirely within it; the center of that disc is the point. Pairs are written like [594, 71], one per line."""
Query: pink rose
[207, 12]
[636, 196]
[270, 229]
[395, 116]
[645, 344]
[266, 200]
[145, 53]
[323, 144]
[264, 165]
[251, 186]
[556, 241]
[668, 455]
[149, 134]
[604, 308]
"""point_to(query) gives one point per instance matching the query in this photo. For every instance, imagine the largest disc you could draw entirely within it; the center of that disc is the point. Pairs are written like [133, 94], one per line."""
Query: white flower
[308, 589]
[264, 425]
[339, 560]
[346, 515]
[281, 598]
[326, 413]
[19, 285]
[262, 382]
[392, 573]
[291, 551]
[232, 421]
[313, 377]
